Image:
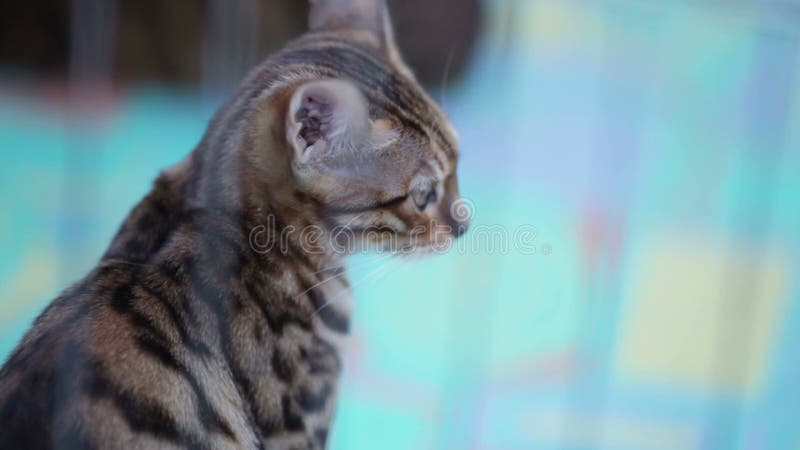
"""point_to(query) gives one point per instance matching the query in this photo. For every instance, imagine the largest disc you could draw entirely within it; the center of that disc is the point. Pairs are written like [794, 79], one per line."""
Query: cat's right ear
[360, 15]
[325, 117]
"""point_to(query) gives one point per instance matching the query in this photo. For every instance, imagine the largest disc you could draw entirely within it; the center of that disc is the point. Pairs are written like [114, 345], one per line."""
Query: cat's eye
[424, 197]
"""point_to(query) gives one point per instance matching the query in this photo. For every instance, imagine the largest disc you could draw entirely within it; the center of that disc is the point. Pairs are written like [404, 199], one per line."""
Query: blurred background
[654, 146]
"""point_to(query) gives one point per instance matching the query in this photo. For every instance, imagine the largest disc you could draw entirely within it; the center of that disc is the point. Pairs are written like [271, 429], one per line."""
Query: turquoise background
[654, 146]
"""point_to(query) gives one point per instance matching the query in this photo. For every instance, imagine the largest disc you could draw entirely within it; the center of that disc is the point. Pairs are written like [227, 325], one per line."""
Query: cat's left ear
[354, 15]
[326, 117]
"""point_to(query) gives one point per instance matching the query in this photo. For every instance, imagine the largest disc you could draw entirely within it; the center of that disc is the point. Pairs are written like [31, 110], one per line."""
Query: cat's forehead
[391, 93]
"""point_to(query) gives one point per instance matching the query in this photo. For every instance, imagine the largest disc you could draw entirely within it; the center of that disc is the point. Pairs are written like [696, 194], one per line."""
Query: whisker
[443, 89]
[129, 263]
[326, 280]
[349, 267]
[382, 268]
[337, 275]
[393, 269]
[379, 259]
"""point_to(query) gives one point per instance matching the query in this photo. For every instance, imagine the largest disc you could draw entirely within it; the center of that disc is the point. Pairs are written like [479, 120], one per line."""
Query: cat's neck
[269, 225]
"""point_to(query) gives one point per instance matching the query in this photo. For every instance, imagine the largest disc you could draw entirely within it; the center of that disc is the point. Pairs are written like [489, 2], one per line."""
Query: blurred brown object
[437, 36]
[34, 35]
[190, 41]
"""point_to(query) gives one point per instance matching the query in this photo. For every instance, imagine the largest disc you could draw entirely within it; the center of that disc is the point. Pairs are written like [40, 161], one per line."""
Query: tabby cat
[194, 331]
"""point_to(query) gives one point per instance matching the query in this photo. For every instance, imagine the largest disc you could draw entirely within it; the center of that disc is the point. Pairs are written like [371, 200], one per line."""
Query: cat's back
[120, 359]
[41, 380]
[102, 367]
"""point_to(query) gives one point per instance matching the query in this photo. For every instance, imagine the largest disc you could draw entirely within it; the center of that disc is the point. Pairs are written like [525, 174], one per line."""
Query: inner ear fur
[325, 117]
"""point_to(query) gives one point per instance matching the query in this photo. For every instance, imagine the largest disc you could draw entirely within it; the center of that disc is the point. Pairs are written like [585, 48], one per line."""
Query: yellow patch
[686, 301]
[28, 288]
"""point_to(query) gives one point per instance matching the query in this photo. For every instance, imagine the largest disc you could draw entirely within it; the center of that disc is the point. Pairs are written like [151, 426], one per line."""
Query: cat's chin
[416, 252]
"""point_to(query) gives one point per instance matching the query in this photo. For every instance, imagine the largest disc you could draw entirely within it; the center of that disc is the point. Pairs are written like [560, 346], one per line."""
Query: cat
[213, 321]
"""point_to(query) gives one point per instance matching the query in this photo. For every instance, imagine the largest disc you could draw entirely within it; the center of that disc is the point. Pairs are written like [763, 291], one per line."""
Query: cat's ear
[326, 117]
[359, 15]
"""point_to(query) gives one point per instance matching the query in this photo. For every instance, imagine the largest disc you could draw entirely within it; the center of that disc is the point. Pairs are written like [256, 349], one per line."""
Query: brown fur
[186, 335]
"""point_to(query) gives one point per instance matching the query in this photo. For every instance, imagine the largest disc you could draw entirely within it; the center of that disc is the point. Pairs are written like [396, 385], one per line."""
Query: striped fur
[185, 335]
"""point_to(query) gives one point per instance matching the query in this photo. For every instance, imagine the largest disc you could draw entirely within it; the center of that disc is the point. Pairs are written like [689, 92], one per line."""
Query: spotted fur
[186, 334]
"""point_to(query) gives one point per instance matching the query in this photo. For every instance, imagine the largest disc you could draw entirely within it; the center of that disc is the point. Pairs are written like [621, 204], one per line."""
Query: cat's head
[364, 140]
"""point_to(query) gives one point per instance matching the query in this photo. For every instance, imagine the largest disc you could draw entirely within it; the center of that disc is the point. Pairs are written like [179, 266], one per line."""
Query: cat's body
[187, 338]
[213, 321]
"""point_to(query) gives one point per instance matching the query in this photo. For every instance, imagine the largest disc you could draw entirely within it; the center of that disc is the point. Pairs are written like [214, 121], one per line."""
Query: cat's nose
[459, 230]
[456, 210]
[457, 217]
